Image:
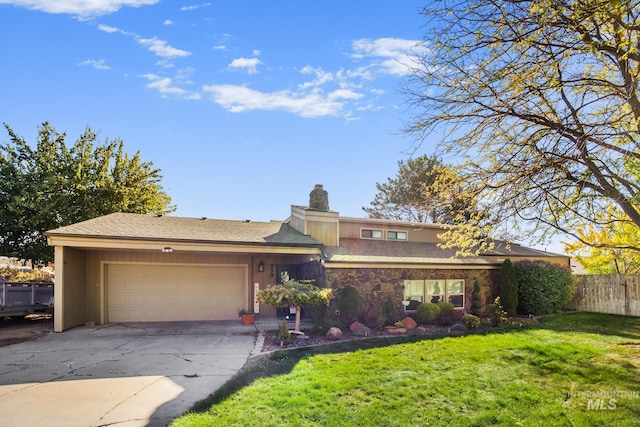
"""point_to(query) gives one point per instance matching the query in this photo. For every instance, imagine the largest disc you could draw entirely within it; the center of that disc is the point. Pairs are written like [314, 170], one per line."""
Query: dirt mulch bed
[314, 338]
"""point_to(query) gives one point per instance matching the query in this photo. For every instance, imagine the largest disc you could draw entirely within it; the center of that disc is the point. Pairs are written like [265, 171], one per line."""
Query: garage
[161, 292]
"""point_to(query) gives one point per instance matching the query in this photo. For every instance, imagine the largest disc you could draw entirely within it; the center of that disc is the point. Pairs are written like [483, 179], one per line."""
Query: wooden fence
[608, 293]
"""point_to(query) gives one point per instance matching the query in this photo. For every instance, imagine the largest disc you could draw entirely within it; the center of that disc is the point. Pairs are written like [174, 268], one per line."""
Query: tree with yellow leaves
[540, 102]
[615, 252]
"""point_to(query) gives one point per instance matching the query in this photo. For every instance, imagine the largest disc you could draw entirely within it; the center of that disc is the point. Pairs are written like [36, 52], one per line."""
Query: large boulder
[355, 325]
[334, 333]
[409, 323]
[362, 331]
[458, 328]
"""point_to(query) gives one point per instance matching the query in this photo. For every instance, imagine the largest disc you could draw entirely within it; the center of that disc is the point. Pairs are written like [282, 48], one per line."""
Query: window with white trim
[418, 291]
[371, 234]
[435, 290]
[455, 292]
[396, 235]
[413, 294]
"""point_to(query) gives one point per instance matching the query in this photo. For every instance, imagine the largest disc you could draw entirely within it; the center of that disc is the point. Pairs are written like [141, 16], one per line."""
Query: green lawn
[516, 377]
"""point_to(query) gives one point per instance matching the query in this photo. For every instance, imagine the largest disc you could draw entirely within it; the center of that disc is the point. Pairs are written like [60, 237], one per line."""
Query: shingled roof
[384, 251]
[202, 230]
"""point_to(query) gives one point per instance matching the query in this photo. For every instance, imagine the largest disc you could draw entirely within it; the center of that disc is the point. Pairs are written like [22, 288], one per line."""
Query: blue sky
[243, 105]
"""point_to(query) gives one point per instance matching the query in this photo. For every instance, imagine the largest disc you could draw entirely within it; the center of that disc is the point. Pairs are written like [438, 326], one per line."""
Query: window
[435, 291]
[371, 234]
[396, 235]
[455, 292]
[414, 293]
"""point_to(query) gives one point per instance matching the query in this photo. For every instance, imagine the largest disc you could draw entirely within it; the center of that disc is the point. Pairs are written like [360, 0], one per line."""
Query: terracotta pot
[248, 319]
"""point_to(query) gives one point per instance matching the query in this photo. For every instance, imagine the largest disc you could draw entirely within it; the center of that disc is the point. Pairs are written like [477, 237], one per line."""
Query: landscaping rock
[458, 327]
[363, 331]
[355, 325]
[395, 330]
[409, 323]
[334, 333]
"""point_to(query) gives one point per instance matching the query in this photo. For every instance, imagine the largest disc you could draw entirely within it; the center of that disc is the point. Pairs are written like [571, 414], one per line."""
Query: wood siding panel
[75, 295]
[325, 232]
[352, 230]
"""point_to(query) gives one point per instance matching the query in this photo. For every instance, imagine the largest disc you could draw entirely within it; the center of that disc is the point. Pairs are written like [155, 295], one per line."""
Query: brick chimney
[319, 199]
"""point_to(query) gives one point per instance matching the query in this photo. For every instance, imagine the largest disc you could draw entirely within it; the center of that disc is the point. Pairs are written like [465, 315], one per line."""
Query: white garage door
[152, 293]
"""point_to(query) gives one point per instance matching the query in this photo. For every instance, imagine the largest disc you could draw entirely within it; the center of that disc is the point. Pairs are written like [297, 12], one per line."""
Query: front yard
[574, 369]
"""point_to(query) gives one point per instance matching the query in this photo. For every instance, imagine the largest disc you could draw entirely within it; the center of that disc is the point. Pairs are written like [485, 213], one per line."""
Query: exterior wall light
[261, 266]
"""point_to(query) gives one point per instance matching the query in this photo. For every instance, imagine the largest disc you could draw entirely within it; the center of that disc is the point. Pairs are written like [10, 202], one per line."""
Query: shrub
[381, 321]
[508, 287]
[427, 312]
[446, 307]
[476, 299]
[349, 304]
[497, 313]
[471, 321]
[284, 336]
[449, 317]
[389, 310]
[544, 288]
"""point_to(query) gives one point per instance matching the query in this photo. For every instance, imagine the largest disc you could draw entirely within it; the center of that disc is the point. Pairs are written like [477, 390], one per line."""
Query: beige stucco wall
[70, 289]
[84, 276]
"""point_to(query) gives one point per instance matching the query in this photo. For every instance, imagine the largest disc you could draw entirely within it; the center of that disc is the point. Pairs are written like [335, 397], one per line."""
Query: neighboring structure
[129, 267]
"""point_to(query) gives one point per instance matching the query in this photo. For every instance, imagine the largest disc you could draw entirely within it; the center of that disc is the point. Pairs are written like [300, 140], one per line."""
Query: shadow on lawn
[282, 362]
[594, 323]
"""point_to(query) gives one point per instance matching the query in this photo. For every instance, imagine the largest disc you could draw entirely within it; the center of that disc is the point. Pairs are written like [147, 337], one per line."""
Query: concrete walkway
[133, 374]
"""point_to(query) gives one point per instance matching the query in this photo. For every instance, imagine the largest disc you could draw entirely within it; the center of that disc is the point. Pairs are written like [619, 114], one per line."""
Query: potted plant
[247, 317]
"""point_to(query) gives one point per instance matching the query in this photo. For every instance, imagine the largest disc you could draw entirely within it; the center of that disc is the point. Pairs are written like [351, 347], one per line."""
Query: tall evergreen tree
[424, 190]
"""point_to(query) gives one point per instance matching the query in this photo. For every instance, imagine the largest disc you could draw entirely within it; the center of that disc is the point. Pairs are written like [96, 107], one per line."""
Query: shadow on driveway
[133, 374]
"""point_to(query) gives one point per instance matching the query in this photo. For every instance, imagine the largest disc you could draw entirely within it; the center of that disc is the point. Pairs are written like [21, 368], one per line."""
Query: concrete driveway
[133, 374]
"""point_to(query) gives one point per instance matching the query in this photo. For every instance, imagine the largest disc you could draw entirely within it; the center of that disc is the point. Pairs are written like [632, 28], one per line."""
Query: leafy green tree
[508, 287]
[294, 293]
[539, 100]
[51, 185]
[424, 190]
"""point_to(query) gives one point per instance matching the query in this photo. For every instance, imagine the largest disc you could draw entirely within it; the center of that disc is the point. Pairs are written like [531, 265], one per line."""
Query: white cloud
[81, 8]
[194, 7]
[248, 64]
[220, 47]
[108, 28]
[98, 64]
[163, 63]
[392, 56]
[167, 22]
[322, 77]
[155, 45]
[161, 48]
[167, 89]
[310, 104]
[185, 73]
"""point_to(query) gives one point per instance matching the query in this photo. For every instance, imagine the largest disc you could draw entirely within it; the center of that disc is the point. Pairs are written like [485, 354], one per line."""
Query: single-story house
[130, 267]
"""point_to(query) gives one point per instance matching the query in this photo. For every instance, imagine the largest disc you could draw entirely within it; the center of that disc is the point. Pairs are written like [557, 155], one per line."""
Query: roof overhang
[411, 266]
[105, 243]
[363, 261]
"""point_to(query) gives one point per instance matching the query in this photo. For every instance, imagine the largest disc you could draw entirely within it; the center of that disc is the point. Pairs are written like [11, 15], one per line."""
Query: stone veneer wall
[374, 284]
